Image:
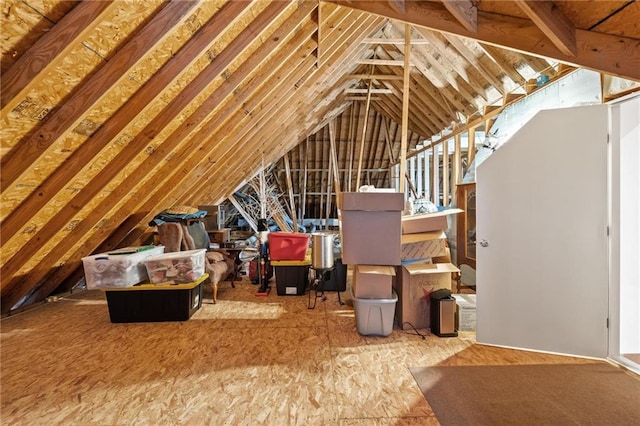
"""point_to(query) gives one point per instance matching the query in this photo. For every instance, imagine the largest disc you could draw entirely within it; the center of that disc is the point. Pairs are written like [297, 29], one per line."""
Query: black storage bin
[443, 313]
[292, 280]
[151, 303]
[337, 277]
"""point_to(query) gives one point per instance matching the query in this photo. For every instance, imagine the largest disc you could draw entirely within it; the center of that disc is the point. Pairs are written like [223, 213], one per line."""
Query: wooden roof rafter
[518, 34]
[217, 66]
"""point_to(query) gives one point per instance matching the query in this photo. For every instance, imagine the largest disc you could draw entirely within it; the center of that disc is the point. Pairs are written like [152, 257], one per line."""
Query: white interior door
[542, 278]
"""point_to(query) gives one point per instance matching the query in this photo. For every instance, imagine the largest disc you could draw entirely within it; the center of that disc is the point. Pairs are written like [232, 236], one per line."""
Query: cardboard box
[423, 246]
[466, 316]
[119, 268]
[427, 222]
[220, 235]
[373, 281]
[371, 227]
[414, 284]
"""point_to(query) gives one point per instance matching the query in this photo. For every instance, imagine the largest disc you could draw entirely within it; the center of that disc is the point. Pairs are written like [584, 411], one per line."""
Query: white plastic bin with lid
[119, 268]
[176, 267]
[374, 317]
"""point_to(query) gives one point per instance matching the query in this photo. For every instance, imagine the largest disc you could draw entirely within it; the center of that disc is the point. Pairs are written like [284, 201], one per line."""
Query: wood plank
[617, 55]
[373, 77]
[230, 165]
[405, 105]
[364, 132]
[389, 62]
[319, 356]
[166, 179]
[496, 56]
[19, 159]
[199, 44]
[464, 11]
[553, 24]
[458, 44]
[173, 108]
[49, 50]
[257, 131]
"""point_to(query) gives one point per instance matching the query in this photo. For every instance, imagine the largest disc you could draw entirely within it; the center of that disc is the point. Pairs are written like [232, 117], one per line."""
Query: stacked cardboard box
[371, 242]
[426, 266]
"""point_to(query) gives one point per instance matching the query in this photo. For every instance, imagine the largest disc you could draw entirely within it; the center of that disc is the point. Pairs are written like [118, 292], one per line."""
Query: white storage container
[374, 317]
[119, 268]
[176, 267]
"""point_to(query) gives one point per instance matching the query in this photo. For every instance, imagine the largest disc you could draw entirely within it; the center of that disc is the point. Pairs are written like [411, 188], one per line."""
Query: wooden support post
[471, 151]
[292, 203]
[445, 173]
[303, 202]
[457, 161]
[405, 105]
[334, 159]
[435, 177]
[352, 144]
[364, 131]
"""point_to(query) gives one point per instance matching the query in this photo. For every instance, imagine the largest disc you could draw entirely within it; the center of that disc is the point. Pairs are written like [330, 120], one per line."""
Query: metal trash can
[443, 313]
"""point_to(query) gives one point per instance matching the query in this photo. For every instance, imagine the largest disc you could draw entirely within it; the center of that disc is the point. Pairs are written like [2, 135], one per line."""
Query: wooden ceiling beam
[190, 52]
[424, 59]
[612, 54]
[216, 67]
[442, 90]
[49, 51]
[469, 56]
[399, 41]
[425, 112]
[212, 138]
[22, 156]
[296, 108]
[553, 24]
[453, 60]
[464, 11]
[373, 77]
[496, 56]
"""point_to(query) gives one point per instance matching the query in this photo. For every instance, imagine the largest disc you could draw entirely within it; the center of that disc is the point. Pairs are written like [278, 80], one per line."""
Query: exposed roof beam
[49, 50]
[385, 91]
[154, 188]
[21, 157]
[117, 122]
[611, 54]
[391, 62]
[553, 24]
[393, 41]
[397, 5]
[458, 44]
[373, 77]
[464, 11]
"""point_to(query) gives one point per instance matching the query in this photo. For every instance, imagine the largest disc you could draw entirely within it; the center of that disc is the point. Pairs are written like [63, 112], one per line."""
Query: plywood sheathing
[244, 360]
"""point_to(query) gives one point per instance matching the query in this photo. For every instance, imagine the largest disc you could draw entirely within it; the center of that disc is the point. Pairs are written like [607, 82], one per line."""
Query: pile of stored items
[398, 260]
[291, 258]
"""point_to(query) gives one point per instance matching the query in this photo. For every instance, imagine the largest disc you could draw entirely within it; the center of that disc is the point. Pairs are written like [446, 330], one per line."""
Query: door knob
[484, 243]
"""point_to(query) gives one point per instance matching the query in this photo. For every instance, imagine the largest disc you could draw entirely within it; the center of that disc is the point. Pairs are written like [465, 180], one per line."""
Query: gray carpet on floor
[556, 394]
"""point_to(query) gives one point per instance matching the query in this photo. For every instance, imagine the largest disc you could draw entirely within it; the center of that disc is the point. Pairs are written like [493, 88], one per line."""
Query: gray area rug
[555, 394]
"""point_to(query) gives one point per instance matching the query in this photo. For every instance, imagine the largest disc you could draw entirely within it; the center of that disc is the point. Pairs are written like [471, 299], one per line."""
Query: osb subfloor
[246, 360]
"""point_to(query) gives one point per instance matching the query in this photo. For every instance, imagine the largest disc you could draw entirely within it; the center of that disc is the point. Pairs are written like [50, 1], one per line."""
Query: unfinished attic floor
[246, 360]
